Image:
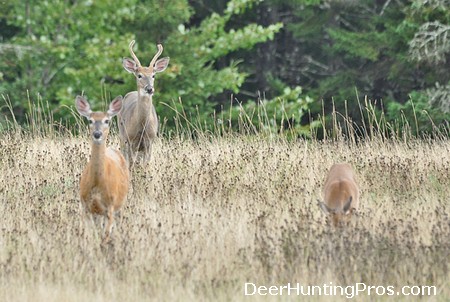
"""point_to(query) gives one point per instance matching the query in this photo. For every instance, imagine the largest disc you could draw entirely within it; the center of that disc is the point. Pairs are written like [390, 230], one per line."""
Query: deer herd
[105, 180]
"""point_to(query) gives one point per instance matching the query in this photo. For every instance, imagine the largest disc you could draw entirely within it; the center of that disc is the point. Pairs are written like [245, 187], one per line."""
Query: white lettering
[262, 290]
[415, 290]
[428, 292]
[360, 287]
[273, 290]
[380, 290]
[319, 288]
[281, 289]
[297, 289]
[334, 291]
[350, 294]
[251, 289]
[254, 289]
[369, 288]
[306, 293]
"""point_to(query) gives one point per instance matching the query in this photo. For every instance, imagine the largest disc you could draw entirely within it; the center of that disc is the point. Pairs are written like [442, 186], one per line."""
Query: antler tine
[153, 61]
[132, 53]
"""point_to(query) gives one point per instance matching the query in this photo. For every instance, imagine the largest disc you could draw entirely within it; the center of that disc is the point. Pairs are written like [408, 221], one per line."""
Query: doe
[104, 181]
[138, 122]
[341, 193]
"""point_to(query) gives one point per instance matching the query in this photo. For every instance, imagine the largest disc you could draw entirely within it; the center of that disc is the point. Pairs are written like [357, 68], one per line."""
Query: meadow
[208, 215]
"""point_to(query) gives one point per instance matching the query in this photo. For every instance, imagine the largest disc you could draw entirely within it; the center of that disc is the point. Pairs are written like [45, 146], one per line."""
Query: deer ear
[161, 64]
[347, 205]
[83, 106]
[129, 65]
[115, 106]
[324, 207]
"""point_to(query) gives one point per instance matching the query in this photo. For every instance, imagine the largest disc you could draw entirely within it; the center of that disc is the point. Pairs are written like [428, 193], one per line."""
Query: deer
[138, 121]
[105, 179]
[341, 194]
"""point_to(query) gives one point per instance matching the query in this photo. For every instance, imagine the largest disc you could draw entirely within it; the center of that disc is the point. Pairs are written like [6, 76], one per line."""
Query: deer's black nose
[148, 89]
[97, 134]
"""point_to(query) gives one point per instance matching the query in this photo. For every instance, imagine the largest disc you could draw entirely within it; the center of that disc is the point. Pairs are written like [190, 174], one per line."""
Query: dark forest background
[297, 58]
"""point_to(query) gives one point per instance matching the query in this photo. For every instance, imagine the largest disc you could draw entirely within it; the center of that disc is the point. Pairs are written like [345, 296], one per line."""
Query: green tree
[430, 47]
[197, 78]
[341, 51]
[59, 49]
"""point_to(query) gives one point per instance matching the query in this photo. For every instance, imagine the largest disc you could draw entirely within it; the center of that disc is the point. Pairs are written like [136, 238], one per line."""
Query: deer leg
[128, 153]
[109, 224]
[148, 153]
[125, 148]
[86, 219]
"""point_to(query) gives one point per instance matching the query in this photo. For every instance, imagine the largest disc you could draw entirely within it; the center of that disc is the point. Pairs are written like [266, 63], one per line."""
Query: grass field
[207, 216]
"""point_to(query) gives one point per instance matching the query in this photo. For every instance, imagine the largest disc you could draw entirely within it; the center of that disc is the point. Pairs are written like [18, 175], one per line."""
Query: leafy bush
[58, 51]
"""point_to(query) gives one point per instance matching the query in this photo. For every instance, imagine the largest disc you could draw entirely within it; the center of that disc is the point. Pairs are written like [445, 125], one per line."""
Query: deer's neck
[144, 106]
[97, 161]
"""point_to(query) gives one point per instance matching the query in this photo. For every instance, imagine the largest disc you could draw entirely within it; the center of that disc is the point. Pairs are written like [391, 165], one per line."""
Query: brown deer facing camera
[104, 181]
[138, 122]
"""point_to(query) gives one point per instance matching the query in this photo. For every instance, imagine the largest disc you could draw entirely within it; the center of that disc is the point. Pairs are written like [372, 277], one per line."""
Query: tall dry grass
[210, 214]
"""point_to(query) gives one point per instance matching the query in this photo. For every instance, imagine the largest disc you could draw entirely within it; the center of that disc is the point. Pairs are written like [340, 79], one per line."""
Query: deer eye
[106, 121]
[139, 76]
[91, 121]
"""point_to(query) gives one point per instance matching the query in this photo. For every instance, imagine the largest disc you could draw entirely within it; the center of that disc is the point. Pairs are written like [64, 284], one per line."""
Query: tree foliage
[343, 51]
[60, 49]
[196, 51]
[293, 55]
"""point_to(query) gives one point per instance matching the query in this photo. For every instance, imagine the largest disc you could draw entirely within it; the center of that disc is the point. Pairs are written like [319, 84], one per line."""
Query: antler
[133, 55]
[153, 61]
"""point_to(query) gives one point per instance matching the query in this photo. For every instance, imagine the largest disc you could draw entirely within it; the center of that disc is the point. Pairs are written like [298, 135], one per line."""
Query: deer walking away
[104, 181]
[138, 121]
[341, 193]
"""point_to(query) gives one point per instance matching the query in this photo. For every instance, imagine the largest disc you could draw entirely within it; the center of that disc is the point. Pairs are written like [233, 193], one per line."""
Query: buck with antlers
[138, 122]
[104, 181]
[341, 193]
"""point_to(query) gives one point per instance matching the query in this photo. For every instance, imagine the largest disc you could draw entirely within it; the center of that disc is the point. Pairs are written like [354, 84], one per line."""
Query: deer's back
[340, 185]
